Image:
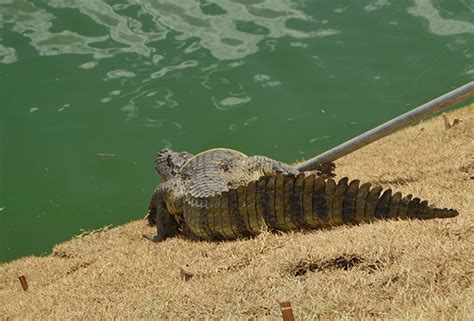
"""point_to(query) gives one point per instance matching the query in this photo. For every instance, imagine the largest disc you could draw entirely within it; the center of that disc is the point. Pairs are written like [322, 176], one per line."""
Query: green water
[286, 79]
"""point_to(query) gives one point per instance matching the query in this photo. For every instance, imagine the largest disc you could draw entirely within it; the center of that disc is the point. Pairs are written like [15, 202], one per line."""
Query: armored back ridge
[223, 194]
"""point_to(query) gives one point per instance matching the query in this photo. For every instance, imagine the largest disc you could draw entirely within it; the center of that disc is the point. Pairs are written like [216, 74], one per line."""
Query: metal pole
[391, 126]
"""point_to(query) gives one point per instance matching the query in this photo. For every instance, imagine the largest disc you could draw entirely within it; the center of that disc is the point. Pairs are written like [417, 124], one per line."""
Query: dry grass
[390, 270]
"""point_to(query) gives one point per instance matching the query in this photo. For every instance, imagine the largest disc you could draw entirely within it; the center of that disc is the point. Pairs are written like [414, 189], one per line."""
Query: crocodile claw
[154, 238]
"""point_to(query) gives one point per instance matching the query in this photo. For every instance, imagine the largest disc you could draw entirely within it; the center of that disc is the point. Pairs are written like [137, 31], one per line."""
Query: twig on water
[107, 156]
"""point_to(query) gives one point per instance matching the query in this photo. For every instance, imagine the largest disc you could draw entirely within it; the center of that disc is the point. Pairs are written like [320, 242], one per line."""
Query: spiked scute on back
[223, 194]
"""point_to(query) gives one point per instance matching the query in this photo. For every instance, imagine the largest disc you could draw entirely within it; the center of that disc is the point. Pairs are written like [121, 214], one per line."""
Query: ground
[388, 269]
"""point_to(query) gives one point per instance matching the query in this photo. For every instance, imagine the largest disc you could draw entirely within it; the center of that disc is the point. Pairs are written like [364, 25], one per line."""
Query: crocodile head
[168, 163]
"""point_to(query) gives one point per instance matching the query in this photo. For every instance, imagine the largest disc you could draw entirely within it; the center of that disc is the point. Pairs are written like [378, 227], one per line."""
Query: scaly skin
[223, 194]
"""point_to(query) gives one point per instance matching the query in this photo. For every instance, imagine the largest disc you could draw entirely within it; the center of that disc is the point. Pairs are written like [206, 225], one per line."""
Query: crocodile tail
[309, 201]
[352, 203]
[290, 202]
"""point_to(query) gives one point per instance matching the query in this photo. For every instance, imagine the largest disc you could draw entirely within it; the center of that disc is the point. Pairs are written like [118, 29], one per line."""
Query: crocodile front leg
[268, 166]
[159, 216]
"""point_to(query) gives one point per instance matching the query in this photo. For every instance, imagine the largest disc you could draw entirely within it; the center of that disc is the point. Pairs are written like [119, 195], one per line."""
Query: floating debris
[318, 138]
[107, 156]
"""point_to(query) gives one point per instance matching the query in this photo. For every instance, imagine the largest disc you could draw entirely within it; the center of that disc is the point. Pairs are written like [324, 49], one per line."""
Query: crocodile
[223, 194]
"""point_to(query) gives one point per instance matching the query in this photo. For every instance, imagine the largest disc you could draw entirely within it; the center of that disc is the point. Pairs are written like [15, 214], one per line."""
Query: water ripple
[230, 102]
[7, 55]
[265, 80]
[437, 24]
[239, 125]
[148, 98]
[119, 73]
[227, 30]
[163, 71]
[88, 65]
[376, 5]
[220, 31]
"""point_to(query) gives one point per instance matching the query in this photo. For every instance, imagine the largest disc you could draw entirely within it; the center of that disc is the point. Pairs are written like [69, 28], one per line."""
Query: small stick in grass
[186, 273]
[447, 125]
[23, 282]
[286, 310]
